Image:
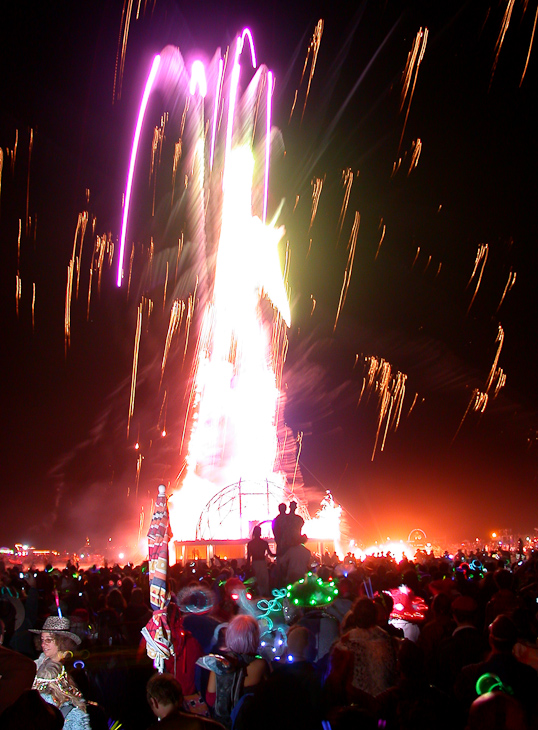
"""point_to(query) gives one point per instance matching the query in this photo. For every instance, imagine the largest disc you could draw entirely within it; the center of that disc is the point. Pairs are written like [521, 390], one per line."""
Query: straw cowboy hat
[57, 625]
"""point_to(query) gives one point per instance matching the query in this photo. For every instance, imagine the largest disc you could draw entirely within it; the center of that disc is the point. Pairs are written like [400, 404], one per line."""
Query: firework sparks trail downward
[231, 433]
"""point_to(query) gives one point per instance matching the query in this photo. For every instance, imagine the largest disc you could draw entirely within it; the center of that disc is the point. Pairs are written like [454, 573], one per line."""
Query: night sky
[68, 470]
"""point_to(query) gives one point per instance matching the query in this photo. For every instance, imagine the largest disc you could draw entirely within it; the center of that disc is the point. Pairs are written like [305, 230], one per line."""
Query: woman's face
[49, 646]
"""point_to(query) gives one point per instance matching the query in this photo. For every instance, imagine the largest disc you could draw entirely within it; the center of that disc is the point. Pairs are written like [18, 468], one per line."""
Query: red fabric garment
[182, 664]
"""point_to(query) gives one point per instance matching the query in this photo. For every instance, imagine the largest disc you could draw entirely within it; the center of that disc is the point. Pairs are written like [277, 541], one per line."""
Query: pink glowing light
[198, 79]
[234, 83]
[134, 150]
[216, 112]
[267, 142]
[247, 34]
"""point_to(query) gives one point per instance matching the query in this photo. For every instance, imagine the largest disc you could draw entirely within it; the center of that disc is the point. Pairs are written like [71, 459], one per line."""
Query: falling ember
[509, 284]
[347, 176]
[530, 44]
[139, 461]
[165, 287]
[349, 266]
[1, 169]
[175, 321]
[33, 306]
[177, 158]
[414, 59]
[299, 449]
[18, 292]
[131, 259]
[313, 49]
[156, 151]
[502, 33]
[416, 149]
[14, 151]
[30, 147]
[313, 304]
[135, 364]
[384, 230]
[82, 222]
[68, 295]
[412, 405]
[496, 378]
[481, 258]
[317, 187]
[500, 341]
[19, 244]
[122, 47]
[478, 403]
[390, 390]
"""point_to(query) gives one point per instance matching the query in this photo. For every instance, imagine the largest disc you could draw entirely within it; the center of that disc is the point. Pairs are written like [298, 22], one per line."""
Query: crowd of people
[444, 642]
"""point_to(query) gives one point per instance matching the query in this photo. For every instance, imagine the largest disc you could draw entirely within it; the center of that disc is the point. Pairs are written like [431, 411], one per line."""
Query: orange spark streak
[317, 187]
[530, 44]
[347, 176]
[122, 47]
[138, 469]
[481, 256]
[89, 293]
[179, 249]
[509, 284]
[414, 59]
[500, 340]
[381, 239]
[33, 306]
[502, 32]
[177, 158]
[138, 334]
[349, 266]
[19, 244]
[313, 49]
[1, 169]
[299, 448]
[165, 286]
[14, 151]
[416, 149]
[130, 270]
[30, 146]
[313, 304]
[176, 315]
[68, 294]
[479, 399]
[18, 291]
[81, 225]
[477, 403]
[412, 405]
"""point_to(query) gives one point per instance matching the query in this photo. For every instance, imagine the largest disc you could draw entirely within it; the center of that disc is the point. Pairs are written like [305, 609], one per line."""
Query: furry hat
[57, 625]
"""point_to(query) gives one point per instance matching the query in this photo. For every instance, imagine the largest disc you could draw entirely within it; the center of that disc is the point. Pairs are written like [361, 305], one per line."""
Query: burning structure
[241, 460]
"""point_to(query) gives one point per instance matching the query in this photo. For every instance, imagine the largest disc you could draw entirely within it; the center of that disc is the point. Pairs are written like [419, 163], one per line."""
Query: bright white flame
[234, 432]
[198, 79]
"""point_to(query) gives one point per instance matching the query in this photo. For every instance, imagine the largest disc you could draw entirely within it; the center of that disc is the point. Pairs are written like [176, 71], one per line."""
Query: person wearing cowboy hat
[56, 639]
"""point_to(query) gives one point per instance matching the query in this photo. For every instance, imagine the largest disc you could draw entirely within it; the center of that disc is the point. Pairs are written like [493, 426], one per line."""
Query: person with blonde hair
[57, 688]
